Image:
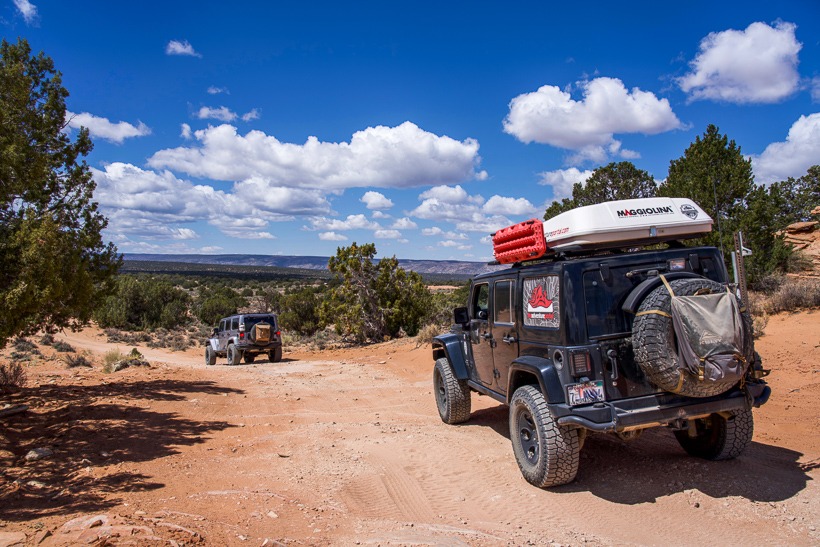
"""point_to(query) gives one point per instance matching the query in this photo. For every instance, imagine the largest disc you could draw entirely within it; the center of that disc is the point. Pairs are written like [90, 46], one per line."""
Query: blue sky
[277, 128]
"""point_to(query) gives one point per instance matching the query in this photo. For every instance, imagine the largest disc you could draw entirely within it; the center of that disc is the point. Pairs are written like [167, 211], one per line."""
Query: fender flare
[640, 292]
[451, 346]
[543, 370]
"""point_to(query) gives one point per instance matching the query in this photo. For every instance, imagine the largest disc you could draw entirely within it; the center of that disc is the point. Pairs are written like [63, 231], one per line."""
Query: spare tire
[655, 344]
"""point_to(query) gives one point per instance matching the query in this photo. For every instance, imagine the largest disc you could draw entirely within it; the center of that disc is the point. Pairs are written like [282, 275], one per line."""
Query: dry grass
[12, 377]
[427, 333]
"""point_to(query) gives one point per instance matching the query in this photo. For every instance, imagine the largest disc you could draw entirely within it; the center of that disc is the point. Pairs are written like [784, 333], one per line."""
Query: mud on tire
[547, 453]
[719, 438]
[452, 395]
[655, 347]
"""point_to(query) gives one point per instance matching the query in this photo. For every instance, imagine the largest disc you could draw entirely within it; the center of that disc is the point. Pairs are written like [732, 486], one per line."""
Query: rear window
[252, 320]
[604, 301]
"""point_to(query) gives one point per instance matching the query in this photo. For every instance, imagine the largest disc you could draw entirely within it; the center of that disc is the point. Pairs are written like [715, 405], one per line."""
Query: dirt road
[346, 448]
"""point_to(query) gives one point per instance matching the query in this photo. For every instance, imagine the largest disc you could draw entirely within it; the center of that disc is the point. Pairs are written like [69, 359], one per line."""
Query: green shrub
[74, 361]
[63, 347]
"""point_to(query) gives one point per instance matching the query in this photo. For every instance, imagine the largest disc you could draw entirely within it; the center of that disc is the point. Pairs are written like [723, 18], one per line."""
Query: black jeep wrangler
[584, 342]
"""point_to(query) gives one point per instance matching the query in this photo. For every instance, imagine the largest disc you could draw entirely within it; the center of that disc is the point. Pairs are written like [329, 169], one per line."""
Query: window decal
[541, 302]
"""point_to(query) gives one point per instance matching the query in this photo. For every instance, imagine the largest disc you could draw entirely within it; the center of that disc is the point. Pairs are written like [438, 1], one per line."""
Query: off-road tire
[547, 453]
[452, 395]
[234, 355]
[210, 356]
[249, 357]
[655, 346]
[719, 438]
[275, 355]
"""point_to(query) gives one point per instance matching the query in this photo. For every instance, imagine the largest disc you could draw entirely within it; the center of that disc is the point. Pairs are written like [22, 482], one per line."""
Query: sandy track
[346, 447]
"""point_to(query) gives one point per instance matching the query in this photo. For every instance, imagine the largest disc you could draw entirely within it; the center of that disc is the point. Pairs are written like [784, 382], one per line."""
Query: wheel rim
[528, 436]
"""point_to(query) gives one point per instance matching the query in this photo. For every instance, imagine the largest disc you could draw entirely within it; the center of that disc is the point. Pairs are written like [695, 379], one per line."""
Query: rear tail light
[580, 364]
[278, 333]
[241, 335]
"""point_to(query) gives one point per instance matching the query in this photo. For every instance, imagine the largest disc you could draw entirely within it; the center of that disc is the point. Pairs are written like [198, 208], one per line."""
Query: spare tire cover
[260, 333]
[655, 345]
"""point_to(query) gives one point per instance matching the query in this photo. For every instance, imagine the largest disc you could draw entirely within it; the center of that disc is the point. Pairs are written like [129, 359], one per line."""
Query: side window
[480, 302]
[503, 303]
[234, 323]
[541, 302]
[222, 326]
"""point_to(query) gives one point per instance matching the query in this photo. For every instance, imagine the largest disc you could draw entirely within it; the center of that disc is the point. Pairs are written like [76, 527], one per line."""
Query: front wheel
[210, 356]
[452, 394]
[547, 453]
[718, 438]
[249, 358]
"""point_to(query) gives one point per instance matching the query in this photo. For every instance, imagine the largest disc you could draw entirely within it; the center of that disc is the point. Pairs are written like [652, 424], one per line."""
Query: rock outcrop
[805, 237]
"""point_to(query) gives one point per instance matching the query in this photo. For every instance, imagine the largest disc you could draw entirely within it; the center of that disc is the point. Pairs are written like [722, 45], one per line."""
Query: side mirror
[461, 316]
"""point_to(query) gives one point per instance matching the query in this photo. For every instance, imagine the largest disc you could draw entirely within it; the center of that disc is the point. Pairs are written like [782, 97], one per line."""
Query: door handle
[509, 339]
[612, 355]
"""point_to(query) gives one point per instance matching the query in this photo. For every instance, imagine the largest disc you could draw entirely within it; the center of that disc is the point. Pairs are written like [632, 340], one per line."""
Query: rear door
[504, 330]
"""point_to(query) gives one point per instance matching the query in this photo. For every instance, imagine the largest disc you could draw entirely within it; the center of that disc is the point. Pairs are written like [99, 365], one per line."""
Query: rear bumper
[648, 411]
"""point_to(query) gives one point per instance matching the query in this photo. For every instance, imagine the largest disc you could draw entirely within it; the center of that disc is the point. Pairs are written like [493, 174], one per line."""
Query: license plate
[588, 392]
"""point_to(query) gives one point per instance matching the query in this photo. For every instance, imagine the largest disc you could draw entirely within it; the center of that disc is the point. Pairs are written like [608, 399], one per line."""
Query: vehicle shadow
[90, 437]
[654, 465]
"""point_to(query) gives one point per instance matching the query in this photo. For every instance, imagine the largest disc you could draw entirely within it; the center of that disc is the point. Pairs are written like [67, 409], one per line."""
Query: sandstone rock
[12, 539]
[802, 226]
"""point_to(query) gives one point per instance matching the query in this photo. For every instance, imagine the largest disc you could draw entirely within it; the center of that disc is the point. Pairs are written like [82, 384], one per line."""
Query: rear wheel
[275, 355]
[547, 453]
[717, 437]
[249, 357]
[234, 355]
[210, 356]
[452, 395]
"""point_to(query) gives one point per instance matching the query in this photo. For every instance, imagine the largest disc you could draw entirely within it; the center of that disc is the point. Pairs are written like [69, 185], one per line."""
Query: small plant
[12, 377]
[135, 354]
[797, 295]
[426, 334]
[74, 361]
[63, 347]
[47, 339]
[759, 323]
[112, 356]
[25, 346]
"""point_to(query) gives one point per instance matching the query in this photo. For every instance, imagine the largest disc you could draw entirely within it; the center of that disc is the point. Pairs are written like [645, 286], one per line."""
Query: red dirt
[345, 447]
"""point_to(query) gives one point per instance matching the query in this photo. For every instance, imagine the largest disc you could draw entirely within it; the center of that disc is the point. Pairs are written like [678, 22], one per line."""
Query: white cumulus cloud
[387, 234]
[253, 114]
[386, 157]
[562, 181]
[454, 204]
[27, 10]
[352, 222]
[213, 90]
[332, 236]
[103, 128]
[376, 200]
[181, 47]
[405, 223]
[499, 205]
[223, 114]
[756, 65]
[185, 131]
[792, 158]
[551, 116]
[149, 204]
